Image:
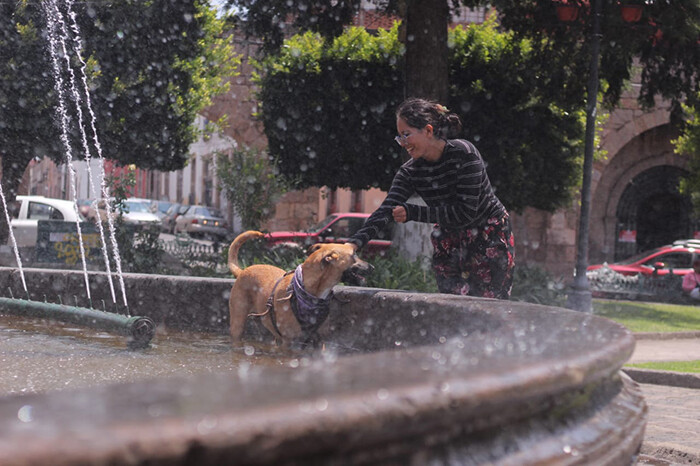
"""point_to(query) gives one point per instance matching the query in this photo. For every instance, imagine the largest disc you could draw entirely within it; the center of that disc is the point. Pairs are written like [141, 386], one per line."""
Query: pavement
[673, 426]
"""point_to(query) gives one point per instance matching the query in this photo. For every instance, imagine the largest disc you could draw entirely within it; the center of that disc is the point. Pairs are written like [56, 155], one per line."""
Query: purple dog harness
[309, 310]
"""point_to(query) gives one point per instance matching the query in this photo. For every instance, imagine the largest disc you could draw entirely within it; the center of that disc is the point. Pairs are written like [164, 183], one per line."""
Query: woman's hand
[399, 213]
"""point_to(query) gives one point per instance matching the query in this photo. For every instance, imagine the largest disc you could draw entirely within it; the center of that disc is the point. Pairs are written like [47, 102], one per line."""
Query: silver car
[136, 212]
[202, 221]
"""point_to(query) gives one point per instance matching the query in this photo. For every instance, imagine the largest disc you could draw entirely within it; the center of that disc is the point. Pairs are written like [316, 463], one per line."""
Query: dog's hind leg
[238, 314]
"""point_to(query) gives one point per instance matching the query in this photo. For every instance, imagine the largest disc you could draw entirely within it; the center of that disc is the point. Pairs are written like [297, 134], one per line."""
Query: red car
[677, 257]
[335, 228]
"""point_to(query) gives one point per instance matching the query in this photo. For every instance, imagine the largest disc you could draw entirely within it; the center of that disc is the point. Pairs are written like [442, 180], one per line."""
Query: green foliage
[329, 111]
[528, 130]
[158, 64]
[140, 247]
[267, 20]
[252, 182]
[203, 262]
[689, 143]
[393, 272]
[649, 317]
[534, 285]
[691, 367]
[664, 43]
[151, 66]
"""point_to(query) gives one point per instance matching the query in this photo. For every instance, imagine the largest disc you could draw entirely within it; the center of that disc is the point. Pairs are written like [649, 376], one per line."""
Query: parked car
[160, 208]
[167, 223]
[26, 211]
[336, 228]
[136, 212]
[202, 221]
[677, 257]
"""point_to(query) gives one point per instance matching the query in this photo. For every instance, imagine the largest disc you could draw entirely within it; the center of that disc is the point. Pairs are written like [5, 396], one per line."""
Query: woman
[472, 239]
[691, 281]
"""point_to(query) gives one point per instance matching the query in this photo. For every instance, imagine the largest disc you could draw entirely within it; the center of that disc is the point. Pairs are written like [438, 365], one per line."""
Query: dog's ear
[330, 258]
[313, 248]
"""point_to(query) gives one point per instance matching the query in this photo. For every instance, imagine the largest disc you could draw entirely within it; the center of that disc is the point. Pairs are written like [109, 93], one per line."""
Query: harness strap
[270, 306]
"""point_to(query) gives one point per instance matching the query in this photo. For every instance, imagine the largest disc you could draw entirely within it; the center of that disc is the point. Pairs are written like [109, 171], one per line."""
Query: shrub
[534, 285]
[393, 272]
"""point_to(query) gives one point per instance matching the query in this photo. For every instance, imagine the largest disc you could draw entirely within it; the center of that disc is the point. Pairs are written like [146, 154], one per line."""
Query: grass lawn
[653, 317]
[650, 317]
[675, 366]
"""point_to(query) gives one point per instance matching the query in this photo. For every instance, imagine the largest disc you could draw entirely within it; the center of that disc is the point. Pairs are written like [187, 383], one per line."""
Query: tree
[689, 143]
[252, 183]
[328, 112]
[664, 42]
[150, 67]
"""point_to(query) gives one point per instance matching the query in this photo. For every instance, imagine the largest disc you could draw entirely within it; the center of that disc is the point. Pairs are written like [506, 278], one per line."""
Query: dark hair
[421, 112]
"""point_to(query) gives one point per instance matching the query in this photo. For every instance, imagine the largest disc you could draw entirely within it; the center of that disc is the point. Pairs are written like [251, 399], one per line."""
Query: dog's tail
[235, 246]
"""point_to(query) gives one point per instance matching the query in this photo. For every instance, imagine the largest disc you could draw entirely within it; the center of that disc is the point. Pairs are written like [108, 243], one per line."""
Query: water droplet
[25, 414]
[322, 404]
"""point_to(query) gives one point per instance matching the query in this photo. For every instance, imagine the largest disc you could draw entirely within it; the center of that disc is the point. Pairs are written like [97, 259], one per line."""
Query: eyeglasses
[402, 138]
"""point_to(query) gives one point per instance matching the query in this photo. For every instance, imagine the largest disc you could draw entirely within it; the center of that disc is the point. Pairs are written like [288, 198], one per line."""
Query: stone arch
[637, 162]
[652, 207]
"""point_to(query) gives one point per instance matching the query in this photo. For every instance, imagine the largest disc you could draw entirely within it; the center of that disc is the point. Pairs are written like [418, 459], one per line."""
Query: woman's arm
[399, 192]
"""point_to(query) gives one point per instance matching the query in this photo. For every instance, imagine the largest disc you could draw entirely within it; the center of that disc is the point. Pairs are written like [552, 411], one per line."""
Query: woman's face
[415, 141]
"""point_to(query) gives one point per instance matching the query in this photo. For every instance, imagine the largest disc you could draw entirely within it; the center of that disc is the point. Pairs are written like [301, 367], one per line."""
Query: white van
[26, 211]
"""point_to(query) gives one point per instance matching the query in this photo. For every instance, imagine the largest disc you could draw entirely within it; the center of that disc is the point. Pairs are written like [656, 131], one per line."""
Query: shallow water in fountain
[43, 355]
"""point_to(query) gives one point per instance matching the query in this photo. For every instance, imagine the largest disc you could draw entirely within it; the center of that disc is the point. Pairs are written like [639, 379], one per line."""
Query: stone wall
[176, 302]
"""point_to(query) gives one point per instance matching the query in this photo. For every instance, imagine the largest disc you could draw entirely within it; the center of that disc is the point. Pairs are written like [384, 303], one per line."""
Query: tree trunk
[425, 37]
[426, 49]
[10, 179]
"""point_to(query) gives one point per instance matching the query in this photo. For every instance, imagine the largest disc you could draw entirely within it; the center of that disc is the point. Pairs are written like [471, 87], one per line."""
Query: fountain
[405, 378]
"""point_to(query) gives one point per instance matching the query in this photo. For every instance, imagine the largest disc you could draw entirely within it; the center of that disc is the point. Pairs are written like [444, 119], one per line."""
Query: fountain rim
[344, 398]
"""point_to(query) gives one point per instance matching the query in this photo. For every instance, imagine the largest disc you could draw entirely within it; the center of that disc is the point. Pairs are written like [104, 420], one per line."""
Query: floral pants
[475, 261]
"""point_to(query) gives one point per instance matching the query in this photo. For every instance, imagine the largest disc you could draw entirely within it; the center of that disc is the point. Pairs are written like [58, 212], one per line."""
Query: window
[39, 211]
[341, 228]
[673, 260]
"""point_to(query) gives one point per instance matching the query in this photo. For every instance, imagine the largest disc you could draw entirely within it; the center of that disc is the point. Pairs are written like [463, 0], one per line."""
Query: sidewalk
[673, 426]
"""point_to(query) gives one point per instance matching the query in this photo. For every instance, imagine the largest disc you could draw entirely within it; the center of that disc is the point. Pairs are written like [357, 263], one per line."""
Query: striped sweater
[456, 189]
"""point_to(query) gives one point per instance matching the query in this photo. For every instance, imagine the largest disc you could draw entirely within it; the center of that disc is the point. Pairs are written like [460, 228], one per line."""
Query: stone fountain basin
[407, 378]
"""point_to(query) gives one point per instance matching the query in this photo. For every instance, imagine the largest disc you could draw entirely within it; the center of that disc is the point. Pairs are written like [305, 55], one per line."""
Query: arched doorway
[652, 212]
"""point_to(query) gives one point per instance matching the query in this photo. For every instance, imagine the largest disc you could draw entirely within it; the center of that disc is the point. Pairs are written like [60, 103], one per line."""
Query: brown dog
[290, 305]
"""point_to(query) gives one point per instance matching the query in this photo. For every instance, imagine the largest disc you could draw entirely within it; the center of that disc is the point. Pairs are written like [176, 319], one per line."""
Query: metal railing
[605, 282]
